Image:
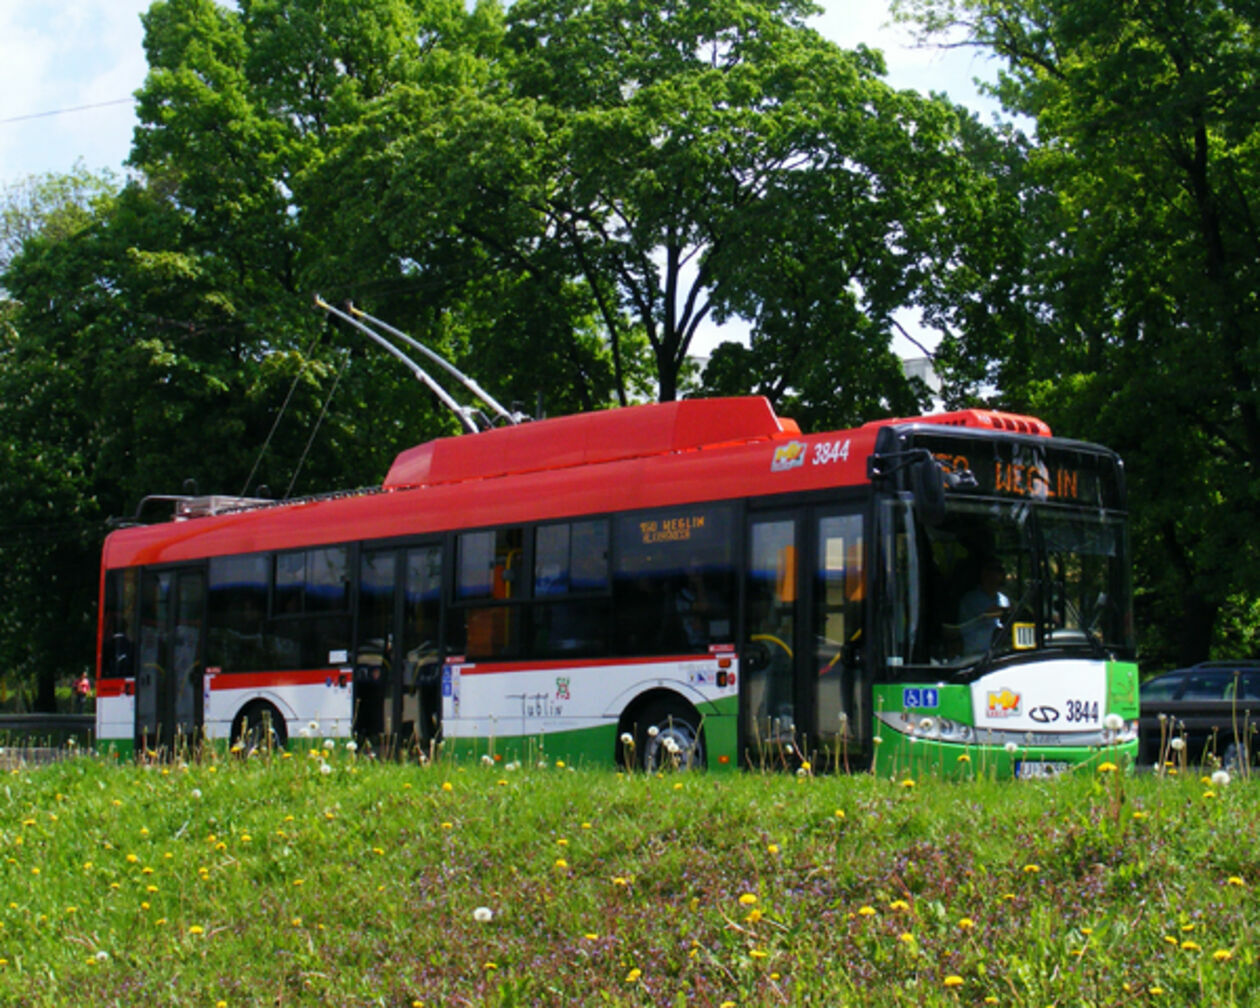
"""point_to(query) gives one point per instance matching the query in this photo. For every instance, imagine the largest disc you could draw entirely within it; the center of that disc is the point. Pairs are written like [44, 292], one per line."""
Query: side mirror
[927, 480]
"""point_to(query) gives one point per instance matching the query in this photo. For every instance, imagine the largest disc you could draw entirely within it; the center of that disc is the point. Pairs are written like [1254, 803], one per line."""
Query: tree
[1143, 265]
[671, 158]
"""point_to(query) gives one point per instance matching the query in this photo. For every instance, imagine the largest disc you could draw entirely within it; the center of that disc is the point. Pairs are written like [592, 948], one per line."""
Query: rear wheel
[258, 726]
[670, 738]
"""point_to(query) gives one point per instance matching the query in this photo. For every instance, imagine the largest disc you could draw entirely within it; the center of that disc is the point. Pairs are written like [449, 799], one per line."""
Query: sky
[69, 70]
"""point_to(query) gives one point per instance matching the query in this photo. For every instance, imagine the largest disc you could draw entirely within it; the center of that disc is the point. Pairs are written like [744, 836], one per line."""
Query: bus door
[397, 661]
[169, 680]
[804, 693]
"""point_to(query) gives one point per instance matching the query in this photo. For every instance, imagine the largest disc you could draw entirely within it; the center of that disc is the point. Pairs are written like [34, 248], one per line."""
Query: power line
[76, 108]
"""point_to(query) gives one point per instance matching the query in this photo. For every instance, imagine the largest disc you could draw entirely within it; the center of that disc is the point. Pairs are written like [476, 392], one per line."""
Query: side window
[488, 581]
[570, 566]
[238, 641]
[118, 635]
[674, 582]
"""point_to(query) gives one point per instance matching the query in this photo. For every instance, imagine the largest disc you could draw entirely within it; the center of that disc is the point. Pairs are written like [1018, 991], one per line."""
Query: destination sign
[1011, 468]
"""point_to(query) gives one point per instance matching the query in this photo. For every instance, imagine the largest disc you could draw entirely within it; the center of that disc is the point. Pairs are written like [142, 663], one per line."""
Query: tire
[674, 722]
[259, 726]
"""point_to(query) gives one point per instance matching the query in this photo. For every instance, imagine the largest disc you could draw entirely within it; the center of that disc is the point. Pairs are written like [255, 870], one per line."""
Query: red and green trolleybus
[695, 583]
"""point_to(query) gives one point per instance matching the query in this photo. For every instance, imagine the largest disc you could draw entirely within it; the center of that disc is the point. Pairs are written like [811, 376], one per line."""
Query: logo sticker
[1003, 704]
[788, 456]
[562, 688]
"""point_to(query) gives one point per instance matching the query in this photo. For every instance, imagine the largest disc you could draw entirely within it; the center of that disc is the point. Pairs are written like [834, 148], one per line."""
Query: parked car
[1214, 706]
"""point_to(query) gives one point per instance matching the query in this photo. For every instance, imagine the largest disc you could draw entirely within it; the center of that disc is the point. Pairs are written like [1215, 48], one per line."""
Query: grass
[320, 877]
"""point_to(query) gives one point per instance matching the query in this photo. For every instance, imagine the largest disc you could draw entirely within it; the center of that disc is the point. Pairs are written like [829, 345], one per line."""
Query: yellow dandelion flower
[966, 923]
[561, 863]
[591, 936]
[772, 848]
[758, 953]
[748, 899]
[633, 975]
[1171, 940]
[867, 911]
[1155, 991]
[488, 966]
[963, 758]
[1187, 928]
[562, 842]
[619, 881]
[132, 858]
[1107, 767]
[953, 980]
[1222, 955]
[907, 783]
[1234, 880]
[196, 929]
[447, 786]
[754, 915]
[898, 904]
[906, 938]
[1031, 869]
[1191, 946]
[839, 813]
[446, 825]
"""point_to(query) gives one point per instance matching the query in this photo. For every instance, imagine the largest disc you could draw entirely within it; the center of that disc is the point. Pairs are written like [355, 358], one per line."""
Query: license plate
[1039, 769]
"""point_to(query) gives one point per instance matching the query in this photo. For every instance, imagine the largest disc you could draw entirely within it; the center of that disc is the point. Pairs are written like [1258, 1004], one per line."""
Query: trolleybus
[694, 583]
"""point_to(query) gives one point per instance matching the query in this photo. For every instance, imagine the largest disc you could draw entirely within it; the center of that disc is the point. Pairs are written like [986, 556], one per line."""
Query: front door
[804, 692]
[169, 680]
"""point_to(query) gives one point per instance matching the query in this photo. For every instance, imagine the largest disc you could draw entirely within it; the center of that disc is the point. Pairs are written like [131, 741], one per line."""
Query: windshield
[1001, 577]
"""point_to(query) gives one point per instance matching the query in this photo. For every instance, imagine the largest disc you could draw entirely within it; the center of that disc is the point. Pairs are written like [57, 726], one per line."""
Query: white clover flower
[1177, 744]
[329, 744]
[325, 769]
[653, 731]
[483, 915]
[1113, 722]
[1220, 778]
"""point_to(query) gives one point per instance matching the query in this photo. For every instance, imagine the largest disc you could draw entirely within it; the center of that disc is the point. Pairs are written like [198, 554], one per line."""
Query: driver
[981, 609]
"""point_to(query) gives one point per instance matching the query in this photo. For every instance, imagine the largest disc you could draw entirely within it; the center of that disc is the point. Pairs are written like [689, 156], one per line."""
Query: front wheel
[670, 738]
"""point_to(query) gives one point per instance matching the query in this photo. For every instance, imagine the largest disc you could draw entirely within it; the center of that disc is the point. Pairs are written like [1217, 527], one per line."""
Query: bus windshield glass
[1003, 576]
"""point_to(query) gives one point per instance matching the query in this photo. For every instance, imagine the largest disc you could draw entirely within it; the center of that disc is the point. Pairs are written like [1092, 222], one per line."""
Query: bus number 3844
[1082, 710]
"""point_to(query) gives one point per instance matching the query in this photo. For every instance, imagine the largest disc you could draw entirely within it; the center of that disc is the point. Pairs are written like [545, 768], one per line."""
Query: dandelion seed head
[483, 915]
[1177, 744]
[1220, 778]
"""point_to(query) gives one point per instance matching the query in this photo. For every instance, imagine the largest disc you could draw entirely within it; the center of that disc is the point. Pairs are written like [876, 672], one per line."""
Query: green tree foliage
[1140, 257]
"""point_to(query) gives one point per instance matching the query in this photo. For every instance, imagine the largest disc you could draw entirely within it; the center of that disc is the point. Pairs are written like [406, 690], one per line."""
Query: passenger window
[674, 583]
[488, 570]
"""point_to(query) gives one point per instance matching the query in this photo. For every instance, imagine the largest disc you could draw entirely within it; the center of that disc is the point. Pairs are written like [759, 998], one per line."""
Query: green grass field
[319, 877]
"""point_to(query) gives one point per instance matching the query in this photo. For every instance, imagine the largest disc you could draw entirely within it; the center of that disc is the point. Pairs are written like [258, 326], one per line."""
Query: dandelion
[1031, 869]
[489, 966]
[653, 731]
[748, 899]
[953, 980]
[758, 953]
[964, 758]
[620, 881]
[1234, 880]
[102, 956]
[1106, 768]
[867, 911]
[1177, 744]
[483, 915]
[352, 746]
[1191, 946]
[561, 863]
[627, 739]
[1220, 778]
[1222, 955]
[1010, 747]
[772, 848]
[324, 768]
[591, 936]
[906, 938]
[907, 783]
[1113, 722]
[633, 975]
[898, 904]
[966, 924]
[447, 786]
[839, 813]
[329, 744]
[313, 727]
[196, 929]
